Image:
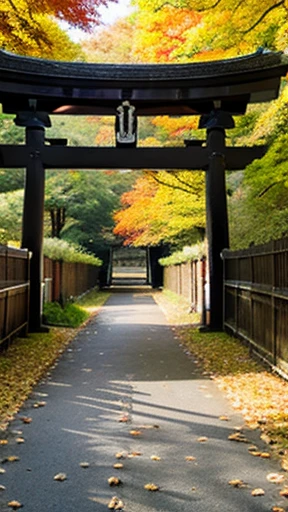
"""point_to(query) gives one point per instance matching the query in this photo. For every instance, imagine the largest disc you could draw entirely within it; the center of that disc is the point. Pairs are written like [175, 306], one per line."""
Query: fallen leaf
[60, 477]
[26, 419]
[2, 488]
[3, 441]
[2, 471]
[284, 492]
[202, 439]
[114, 481]
[14, 504]
[118, 466]
[193, 489]
[284, 464]
[190, 458]
[237, 483]
[258, 492]
[278, 509]
[253, 448]
[121, 455]
[11, 458]
[155, 457]
[151, 487]
[20, 440]
[113, 502]
[134, 454]
[266, 438]
[275, 478]
[265, 455]
[119, 506]
[84, 464]
[223, 418]
[255, 454]
[123, 419]
[135, 433]
[239, 437]
[39, 404]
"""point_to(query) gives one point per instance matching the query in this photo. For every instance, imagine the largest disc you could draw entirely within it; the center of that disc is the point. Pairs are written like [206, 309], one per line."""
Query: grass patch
[71, 315]
[27, 360]
[257, 393]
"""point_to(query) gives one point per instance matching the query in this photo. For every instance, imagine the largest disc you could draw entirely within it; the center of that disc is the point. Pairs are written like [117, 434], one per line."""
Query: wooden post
[217, 221]
[33, 216]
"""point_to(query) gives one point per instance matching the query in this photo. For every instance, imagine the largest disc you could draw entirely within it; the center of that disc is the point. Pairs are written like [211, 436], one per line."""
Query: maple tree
[227, 24]
[163, 207]
[29, 27]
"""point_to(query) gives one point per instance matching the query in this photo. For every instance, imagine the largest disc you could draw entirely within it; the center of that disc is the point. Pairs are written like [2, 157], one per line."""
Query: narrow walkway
[127, 364]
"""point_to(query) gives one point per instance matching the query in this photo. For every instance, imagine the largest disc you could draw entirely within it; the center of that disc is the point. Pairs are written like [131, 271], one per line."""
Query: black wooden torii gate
[34, 88]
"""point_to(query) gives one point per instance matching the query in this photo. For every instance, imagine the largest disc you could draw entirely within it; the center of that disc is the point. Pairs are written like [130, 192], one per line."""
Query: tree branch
[263, 16]
[175, 187]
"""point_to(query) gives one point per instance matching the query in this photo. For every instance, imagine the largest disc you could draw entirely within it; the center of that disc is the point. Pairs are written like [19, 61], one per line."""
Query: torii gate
[34, 88]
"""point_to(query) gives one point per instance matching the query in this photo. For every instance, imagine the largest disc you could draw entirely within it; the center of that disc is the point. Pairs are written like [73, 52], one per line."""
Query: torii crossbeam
[33, 89]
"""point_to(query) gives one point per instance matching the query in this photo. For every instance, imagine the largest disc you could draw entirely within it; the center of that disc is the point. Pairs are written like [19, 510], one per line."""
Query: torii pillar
[216, 210]
[33, 212]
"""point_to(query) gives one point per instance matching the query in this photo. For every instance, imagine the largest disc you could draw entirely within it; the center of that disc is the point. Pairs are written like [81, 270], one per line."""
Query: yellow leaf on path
[2, 488]
[119, 506]
[113, 503]
[275, 478]
[155, 457]
[84, 465]
[253, 448]
[151, 487]
[278, 509]
[255, 454]
[39, 404]
[284, 464]
[14, 504]
[3, 441]
[223, 418]
[266, 438]
[2, 471]
[113, 481]
[11, 458]
[20, 440]
[148, 427]
[123, 419]
[118, 466]
[134, 454]
[121, 455]
[135, 433]
[258, 492]
[190, 458]
[240, 438]
[237, 483]
[60, 477]
[265, 455]
[202, 439]
[26, 419]
[284, 492]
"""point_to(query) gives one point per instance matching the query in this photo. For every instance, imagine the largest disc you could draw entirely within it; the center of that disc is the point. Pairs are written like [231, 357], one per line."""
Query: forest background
[95, 210]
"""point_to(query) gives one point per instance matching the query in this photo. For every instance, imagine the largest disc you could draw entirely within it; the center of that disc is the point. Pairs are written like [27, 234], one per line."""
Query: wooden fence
[256, 299]
[14, 292]
[188, 280]
[64, 280]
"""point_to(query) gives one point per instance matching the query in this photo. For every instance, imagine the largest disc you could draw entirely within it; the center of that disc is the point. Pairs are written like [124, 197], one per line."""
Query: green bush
[70, 315]
[57, 249]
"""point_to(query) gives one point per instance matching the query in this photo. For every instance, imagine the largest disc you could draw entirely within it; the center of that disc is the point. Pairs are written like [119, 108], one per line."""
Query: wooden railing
[65, 280]
[14, 292]
[188, 280]
[256, 299]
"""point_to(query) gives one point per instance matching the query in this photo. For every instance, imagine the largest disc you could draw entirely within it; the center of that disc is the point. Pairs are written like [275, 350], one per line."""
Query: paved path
[127, 363]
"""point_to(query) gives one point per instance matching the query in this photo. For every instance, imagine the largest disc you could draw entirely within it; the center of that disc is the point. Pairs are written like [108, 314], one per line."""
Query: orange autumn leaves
[161, 207]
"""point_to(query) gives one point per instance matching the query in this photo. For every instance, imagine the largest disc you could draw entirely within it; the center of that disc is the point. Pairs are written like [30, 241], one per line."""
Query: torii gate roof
[173, 89]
